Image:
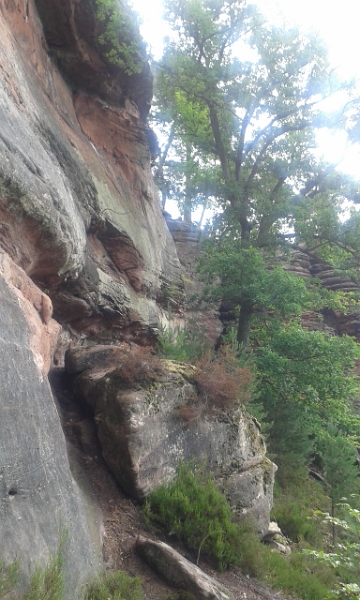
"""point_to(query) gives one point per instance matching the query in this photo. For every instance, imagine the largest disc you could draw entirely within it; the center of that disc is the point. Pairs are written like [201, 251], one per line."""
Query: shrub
[221, 382]
[140, 366]
[345, 554]
[175, 343]
[115, 586]
[192, 508]
[296, 496]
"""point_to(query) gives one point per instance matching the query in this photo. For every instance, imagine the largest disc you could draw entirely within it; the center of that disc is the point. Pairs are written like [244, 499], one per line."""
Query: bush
[296, 496]
[192, 508]
[140, 366]
[221, 382]
[345, 555]
[115, 586]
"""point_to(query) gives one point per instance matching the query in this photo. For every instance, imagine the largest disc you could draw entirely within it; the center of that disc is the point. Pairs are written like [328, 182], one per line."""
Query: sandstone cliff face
[78, 208]
[39, 498]
[84, 249]
[85, 258]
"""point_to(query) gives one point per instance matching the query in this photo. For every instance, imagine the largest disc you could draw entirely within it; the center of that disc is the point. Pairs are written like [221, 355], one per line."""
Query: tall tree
[183, 172]
[257, 115]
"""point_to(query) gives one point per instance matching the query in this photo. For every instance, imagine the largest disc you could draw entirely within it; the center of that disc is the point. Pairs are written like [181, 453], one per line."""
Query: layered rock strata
[83, 246]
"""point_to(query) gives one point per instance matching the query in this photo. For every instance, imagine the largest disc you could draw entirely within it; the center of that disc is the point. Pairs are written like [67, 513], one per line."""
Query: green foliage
[338, 457]
[48, 583]
[295, 576]
[246, 278]
[120, 37]
[192, 508]
[346, 555]
[114, 586]
[311, 372]
[184, 345]
[245, 132]
[9, 578]
[296, 496]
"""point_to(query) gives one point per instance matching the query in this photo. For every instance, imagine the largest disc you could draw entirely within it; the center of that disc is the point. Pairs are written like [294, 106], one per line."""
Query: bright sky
[337, 23]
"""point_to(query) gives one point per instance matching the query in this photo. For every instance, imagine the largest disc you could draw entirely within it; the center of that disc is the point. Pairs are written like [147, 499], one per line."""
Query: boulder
[146, 430]
[180, 572]
[80, 359]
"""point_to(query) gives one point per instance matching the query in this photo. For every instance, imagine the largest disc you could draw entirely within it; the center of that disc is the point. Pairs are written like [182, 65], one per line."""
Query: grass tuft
[48, 583]
[115, 586]
[9, 578]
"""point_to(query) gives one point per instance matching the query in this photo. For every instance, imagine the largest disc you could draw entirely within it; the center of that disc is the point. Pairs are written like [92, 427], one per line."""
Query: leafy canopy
[244, 99]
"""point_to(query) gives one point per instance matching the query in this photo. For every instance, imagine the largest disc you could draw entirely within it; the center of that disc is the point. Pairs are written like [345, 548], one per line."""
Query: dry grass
[190, 413]
[221, 382]
[141, 366]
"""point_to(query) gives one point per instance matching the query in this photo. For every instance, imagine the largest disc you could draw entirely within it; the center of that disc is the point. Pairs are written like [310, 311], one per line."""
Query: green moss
[186, 370]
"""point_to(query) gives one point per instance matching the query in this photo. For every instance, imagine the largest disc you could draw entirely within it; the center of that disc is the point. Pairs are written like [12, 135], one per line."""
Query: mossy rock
[187, 371]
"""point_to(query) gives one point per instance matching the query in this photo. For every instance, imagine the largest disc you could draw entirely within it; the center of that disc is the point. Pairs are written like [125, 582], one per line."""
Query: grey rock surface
[38, 495]
[180, 572]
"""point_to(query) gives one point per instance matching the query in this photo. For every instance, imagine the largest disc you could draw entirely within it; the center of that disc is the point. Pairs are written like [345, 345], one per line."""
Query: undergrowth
[115, 586]
[47, 583]
[9, 578]
[192, 508]
[296, 496]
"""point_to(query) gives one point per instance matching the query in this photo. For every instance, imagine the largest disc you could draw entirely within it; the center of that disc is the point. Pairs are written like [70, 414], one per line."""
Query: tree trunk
[333, 524]
[204, 207]
[244, 323]
[188, 198]
[187, 210]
